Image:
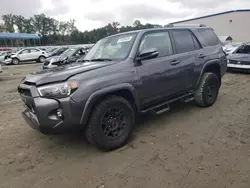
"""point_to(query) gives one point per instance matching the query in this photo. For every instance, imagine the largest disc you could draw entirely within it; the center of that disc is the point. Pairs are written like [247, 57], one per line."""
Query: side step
[188, 99]
[164, 107]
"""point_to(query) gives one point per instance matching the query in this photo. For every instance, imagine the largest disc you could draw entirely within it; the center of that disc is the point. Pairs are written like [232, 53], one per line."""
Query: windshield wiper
[100, 59]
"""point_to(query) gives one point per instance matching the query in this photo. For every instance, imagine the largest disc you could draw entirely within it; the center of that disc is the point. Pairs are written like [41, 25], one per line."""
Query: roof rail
[185, 25]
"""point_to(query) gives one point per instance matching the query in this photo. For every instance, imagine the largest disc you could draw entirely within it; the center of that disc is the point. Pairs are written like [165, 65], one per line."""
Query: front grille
[239, 62]
[233, 62]
[25, 92]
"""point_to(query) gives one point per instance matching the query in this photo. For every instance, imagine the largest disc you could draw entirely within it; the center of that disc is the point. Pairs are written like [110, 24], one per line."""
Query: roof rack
[185, 25]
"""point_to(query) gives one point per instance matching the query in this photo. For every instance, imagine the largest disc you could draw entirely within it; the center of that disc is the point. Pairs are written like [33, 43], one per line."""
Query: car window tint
[196, 43]
[25, 51]
[184, 41]
[33, 50]
[244, 49]
[210, 38]
[160, 40]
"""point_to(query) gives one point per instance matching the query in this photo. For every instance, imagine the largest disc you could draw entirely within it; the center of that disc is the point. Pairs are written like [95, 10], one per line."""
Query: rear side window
[160, 40]
[210, 38]
[185, 41]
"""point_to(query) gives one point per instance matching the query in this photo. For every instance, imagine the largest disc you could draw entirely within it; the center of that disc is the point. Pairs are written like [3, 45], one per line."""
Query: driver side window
[25, 52]
[160, 40]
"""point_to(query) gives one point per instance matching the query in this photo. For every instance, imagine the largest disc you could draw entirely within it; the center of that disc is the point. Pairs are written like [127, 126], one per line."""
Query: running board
[163, 107]
[188, 99]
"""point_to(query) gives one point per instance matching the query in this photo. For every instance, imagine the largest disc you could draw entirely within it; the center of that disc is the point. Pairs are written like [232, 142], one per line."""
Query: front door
[24, 55]
[159, 76]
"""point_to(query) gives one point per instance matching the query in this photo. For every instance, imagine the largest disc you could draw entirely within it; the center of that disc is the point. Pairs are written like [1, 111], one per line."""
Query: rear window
[185, 41]
[210, 38]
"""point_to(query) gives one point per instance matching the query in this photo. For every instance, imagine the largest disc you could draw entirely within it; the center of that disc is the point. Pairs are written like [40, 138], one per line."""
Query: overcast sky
[90, 14]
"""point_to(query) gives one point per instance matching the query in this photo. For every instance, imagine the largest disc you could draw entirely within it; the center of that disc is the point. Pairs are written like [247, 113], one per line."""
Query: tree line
[54, 32]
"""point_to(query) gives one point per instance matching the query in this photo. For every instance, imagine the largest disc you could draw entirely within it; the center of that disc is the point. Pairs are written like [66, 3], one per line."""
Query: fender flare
[99, 93]
[205, 66]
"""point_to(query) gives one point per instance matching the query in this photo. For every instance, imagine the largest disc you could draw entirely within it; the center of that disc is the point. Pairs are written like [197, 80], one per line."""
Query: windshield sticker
[126, 39]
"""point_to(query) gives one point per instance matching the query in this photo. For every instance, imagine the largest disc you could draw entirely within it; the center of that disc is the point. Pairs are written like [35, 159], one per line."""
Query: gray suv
[122, 75]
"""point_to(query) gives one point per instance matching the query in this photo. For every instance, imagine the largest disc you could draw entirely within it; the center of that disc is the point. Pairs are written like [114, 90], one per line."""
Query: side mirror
[148, 54]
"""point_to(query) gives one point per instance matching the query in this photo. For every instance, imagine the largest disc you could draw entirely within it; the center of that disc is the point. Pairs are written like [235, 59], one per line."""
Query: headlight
[59, 90]
[228, 61]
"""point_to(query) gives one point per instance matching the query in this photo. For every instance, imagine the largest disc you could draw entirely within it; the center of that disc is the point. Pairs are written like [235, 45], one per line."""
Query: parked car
[239, 59]
[71, 55]
[122, 75]
[57, 52]
[28, 54]
[231, 47]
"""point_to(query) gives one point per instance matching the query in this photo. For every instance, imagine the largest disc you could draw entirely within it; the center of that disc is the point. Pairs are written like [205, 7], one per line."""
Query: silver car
[28, 54]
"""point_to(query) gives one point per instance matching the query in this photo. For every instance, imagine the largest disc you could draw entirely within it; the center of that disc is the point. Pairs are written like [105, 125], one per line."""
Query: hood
[62, 73]
[58, 59]
[239, 57]
[51, 57]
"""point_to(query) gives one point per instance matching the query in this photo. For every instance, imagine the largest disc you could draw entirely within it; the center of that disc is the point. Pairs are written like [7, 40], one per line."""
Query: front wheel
[15, 61]
[208, 90]
[110, 124]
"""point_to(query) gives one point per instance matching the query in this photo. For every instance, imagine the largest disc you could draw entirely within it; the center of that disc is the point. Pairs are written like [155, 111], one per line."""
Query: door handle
[174, 62]
[202, 56]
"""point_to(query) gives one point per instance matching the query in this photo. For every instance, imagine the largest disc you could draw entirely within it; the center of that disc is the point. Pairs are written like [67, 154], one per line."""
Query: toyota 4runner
[122, 75]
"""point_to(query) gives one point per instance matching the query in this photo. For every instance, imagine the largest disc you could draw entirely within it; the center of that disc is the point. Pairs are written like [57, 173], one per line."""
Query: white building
[235, 23]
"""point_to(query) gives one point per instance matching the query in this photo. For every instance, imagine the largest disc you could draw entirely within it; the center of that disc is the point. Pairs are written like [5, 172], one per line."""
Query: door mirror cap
[148, 54]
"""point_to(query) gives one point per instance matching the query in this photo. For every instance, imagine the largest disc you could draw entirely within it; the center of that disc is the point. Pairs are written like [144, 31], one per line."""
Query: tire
[15, 61]
[100, 129]
[208, 90]
[41, 59]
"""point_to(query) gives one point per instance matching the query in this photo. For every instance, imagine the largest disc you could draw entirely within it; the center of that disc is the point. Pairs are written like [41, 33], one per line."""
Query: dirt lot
[189, 147]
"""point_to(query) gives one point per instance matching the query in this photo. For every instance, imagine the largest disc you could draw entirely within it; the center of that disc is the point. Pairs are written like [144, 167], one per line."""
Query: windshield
[113, 48]
[232, 45]
[68, 52]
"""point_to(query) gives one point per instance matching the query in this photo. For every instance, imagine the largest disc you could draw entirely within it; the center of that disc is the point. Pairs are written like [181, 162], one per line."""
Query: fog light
[59, 113]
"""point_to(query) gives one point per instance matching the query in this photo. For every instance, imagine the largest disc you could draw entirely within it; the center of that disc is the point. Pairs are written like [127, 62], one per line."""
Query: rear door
[190, 56]
[159, 76]
[34, 54]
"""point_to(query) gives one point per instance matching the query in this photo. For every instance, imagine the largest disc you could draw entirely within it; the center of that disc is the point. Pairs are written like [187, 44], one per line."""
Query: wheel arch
[212, 66]
[126, 91]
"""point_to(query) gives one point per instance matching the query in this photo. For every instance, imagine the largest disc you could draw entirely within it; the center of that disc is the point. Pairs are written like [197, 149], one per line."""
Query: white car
[1, 70]
[28, 54]
[231, 47]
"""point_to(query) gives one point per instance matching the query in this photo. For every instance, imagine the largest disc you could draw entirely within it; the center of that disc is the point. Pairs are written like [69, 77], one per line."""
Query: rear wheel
[208, 90]
[15, 61]
[110, 124]
[41, 59]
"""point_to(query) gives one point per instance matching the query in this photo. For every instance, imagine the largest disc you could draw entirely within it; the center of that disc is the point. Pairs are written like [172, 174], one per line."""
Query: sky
[91, 14]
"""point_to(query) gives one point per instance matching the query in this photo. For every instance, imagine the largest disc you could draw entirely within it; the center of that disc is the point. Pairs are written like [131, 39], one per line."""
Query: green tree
[9, 21]
[20, 22]
[2, 28]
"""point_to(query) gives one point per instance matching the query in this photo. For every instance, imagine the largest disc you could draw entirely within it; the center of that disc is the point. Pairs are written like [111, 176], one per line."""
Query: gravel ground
[189, 147]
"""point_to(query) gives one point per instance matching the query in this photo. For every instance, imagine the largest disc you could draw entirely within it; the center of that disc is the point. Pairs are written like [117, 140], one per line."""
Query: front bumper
[49, 66]
[49, 116]
[238, 66]
[8, 61]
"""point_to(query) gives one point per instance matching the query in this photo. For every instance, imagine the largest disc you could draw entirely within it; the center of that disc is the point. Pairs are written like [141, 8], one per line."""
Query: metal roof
[211, 15]
[18, 36]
